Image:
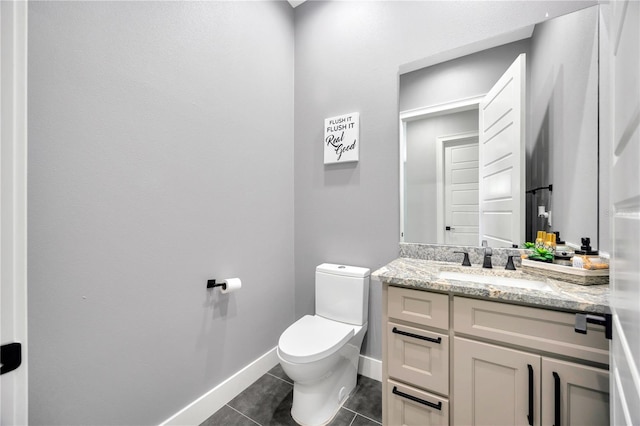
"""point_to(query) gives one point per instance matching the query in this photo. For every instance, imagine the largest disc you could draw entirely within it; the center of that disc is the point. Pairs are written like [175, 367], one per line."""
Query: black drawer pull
[417, 336]
[530, 415]
[437, 406]
[556, 386]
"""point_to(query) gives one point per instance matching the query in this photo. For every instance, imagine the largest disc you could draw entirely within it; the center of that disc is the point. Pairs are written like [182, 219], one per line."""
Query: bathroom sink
[495, 280]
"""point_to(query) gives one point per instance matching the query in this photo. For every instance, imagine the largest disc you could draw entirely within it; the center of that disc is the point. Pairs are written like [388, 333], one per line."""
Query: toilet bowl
[321, 357]
[320, 352]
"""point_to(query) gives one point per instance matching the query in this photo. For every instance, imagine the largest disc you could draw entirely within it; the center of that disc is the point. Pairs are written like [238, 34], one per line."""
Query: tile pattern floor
[267, 402]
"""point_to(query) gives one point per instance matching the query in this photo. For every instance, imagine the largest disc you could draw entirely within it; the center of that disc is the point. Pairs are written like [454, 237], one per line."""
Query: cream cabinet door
[574, 394]
[494, 386]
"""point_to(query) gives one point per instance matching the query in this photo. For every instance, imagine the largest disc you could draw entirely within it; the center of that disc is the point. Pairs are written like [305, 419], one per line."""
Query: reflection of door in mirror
[502, 128]
[458, 189]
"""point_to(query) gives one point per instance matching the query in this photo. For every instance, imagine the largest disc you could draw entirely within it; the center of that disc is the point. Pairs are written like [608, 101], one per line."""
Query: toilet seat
[312, 338]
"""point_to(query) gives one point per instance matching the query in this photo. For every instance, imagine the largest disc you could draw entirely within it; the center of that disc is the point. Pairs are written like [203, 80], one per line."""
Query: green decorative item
[541, 255]
[529, 245]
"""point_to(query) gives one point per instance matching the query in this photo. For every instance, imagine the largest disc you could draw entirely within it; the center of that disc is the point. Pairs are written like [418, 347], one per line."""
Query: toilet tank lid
[344, 270]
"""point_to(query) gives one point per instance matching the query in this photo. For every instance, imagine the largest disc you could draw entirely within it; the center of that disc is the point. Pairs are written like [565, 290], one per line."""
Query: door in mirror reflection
[460, 189]
[501, 156]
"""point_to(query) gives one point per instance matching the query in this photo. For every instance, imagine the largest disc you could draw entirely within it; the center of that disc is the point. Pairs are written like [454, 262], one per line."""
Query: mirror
[440, 138]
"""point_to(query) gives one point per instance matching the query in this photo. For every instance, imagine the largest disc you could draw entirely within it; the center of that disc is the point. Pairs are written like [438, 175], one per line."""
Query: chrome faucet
[487, 255]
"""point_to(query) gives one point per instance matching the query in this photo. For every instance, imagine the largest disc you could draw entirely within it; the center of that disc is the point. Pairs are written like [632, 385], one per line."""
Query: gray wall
[469, 76]
[160, 155]
[421, 187]
[347, 58]
[562, 144]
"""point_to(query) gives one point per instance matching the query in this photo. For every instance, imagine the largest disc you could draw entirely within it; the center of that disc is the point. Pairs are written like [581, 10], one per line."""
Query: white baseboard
[370, 367]
[202, 408]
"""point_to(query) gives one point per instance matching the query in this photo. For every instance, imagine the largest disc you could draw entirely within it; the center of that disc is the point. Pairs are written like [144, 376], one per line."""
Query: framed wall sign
[341, 138]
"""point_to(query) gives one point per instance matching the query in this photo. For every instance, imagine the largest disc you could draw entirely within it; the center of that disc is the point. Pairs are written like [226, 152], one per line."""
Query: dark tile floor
[268, 402]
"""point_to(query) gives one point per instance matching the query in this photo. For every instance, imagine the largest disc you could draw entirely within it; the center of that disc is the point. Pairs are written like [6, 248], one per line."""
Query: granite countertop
[423, 275]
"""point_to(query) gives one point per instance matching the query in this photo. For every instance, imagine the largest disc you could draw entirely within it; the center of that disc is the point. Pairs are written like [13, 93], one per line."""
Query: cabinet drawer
[418, 357]
[412, 407]
[420, 307]
[535, 328]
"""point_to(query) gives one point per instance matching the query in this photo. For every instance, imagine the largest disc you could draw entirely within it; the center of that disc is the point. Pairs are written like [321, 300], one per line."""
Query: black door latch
[10, 357]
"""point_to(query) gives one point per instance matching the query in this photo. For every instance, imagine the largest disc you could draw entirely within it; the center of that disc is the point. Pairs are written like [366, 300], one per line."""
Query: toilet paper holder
[212, 284]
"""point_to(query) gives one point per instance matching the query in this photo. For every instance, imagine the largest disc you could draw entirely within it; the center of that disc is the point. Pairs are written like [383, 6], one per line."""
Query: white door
[461, 192]
[624, 45]
[501, 154]
[13, 212]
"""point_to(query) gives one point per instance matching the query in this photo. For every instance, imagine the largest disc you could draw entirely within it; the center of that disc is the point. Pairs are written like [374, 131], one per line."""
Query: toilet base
[320, 387]
[325, 396]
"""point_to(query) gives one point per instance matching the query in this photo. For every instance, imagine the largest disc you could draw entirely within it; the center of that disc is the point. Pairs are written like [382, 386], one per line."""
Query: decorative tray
[566, 273]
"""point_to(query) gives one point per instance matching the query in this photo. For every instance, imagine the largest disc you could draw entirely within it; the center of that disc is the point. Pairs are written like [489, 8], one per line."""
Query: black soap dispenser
[585, 248]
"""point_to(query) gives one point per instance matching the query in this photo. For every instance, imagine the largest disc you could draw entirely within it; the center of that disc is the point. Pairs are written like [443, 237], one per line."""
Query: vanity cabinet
[494, 385]
[462, 361]
[526, 386]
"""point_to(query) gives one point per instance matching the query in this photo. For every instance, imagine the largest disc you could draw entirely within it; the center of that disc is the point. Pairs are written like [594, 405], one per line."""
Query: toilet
[320, 352]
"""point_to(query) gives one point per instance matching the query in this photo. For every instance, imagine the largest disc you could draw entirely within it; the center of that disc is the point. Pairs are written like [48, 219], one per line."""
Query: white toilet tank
[342, 293]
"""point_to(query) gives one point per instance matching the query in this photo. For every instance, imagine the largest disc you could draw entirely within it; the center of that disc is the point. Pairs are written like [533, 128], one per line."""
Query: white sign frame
[342, 138]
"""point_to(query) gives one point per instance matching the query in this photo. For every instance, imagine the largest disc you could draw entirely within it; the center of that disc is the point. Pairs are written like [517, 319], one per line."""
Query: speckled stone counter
[446, 253]
[423, 275]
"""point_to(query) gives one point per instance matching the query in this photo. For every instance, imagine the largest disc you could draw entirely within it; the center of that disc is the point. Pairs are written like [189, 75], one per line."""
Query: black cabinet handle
[437, 406]
[416, 336]
[530, 415]
[605, 320]
[556, 383]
